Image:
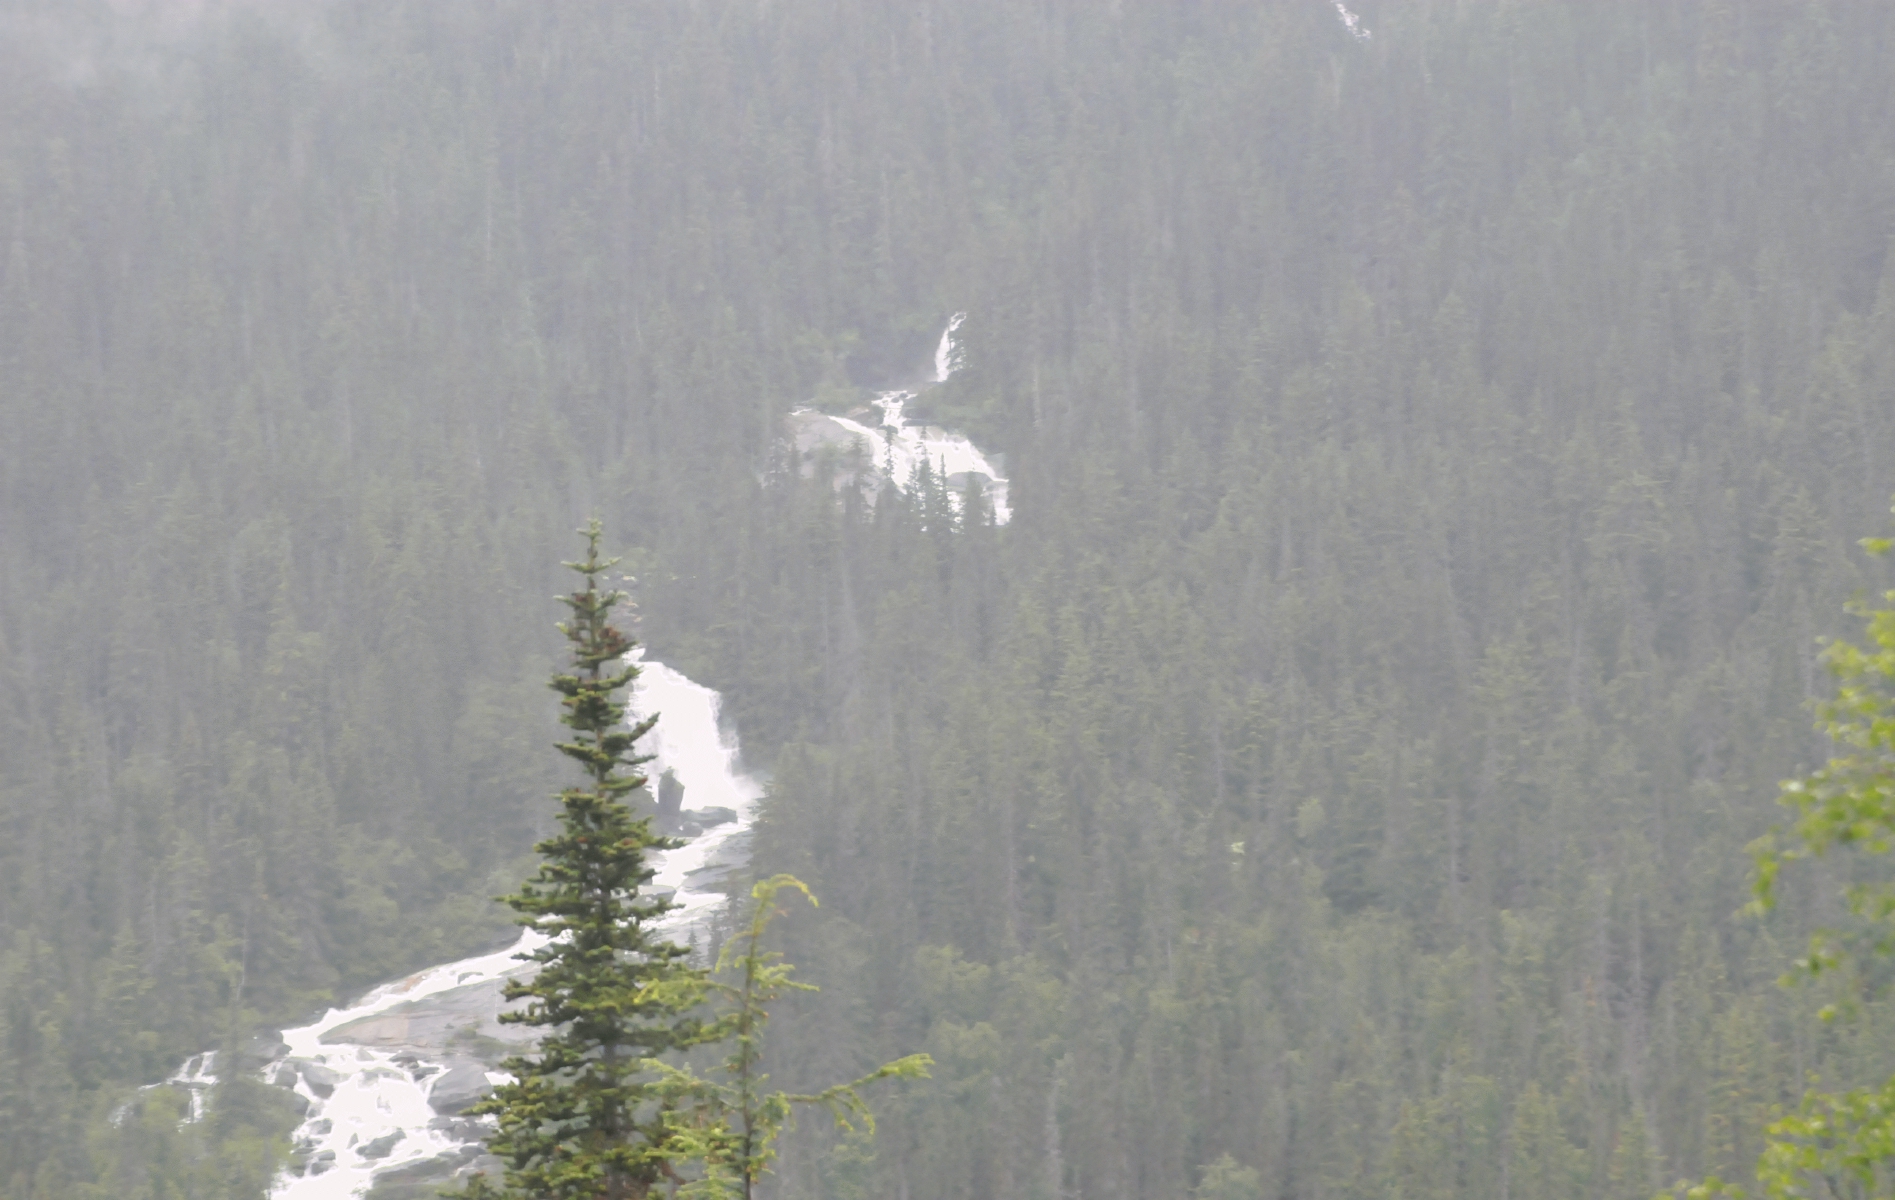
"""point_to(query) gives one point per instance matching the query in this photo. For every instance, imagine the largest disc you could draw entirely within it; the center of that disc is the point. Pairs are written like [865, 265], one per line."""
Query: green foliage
[1839, 1143]
[150, 1149]
[1849, 803]
[1454, 438]
[729, 1124]
[1227, 1179]
[584, 1116]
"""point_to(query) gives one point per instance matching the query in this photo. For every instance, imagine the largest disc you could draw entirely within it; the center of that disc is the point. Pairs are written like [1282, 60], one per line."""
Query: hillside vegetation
[1434, 458]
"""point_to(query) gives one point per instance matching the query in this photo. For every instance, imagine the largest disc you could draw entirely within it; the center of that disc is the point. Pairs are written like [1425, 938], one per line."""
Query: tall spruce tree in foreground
[584, 1117]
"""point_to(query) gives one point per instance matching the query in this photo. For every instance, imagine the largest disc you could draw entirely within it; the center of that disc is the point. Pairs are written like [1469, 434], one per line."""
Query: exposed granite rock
[424, 1180]
[670, 797]
[321, 1079]
[260, 1050]
[460, 1086]
[462, 1129]
[439, 1168]
[429, 1025]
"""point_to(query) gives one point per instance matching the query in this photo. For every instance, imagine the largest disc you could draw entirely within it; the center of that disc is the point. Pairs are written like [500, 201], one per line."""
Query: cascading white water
[385, 1078]
[1352, 23]
[947, 353]
[894, 448]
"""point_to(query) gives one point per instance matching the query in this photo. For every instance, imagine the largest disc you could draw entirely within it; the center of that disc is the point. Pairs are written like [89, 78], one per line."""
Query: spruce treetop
[582, 1118]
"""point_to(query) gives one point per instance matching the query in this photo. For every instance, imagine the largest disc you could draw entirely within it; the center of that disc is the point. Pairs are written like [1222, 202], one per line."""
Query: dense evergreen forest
[1436, 450]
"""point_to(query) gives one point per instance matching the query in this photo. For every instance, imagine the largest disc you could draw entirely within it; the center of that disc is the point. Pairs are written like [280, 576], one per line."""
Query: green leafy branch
[730, 1125]
[1837, 1144]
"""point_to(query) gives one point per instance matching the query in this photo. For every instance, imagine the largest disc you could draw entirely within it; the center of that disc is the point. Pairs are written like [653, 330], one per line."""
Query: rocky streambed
[383, 1083]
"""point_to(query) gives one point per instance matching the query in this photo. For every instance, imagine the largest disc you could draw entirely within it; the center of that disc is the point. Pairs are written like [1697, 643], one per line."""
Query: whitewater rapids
[385, 1077]
[384, 1080]
[891, 449]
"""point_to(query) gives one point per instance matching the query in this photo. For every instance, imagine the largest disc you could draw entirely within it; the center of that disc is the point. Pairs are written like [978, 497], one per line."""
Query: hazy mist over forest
[1418, 448]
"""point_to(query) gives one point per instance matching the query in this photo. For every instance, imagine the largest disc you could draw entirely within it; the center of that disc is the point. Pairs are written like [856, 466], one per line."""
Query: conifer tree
[582, 1118]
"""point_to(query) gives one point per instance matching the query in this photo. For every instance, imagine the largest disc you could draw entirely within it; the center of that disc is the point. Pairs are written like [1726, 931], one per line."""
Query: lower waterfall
[385, 1078]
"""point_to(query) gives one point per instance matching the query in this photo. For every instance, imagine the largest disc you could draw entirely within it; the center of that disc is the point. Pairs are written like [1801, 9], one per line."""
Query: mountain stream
[382, 1081]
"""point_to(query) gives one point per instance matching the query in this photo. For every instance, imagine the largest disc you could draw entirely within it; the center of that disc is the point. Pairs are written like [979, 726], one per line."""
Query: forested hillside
[1434, 456]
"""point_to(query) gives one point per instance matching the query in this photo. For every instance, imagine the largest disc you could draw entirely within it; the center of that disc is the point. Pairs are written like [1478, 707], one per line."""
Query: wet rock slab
[424, 1180]
[459, 1086]
[433, 1023]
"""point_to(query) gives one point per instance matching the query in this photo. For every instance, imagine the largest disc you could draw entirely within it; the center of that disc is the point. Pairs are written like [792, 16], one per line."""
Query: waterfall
[1352, 23]
[947, 354]
[890, 447]
[384, 1079]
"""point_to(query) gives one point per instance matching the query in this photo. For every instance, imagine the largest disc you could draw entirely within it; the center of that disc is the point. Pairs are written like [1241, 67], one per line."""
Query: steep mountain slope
[1431, 456]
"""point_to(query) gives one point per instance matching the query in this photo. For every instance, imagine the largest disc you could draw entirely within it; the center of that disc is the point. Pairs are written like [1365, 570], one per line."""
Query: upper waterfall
[947, 353]
[892, 449]
[1352, 23]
